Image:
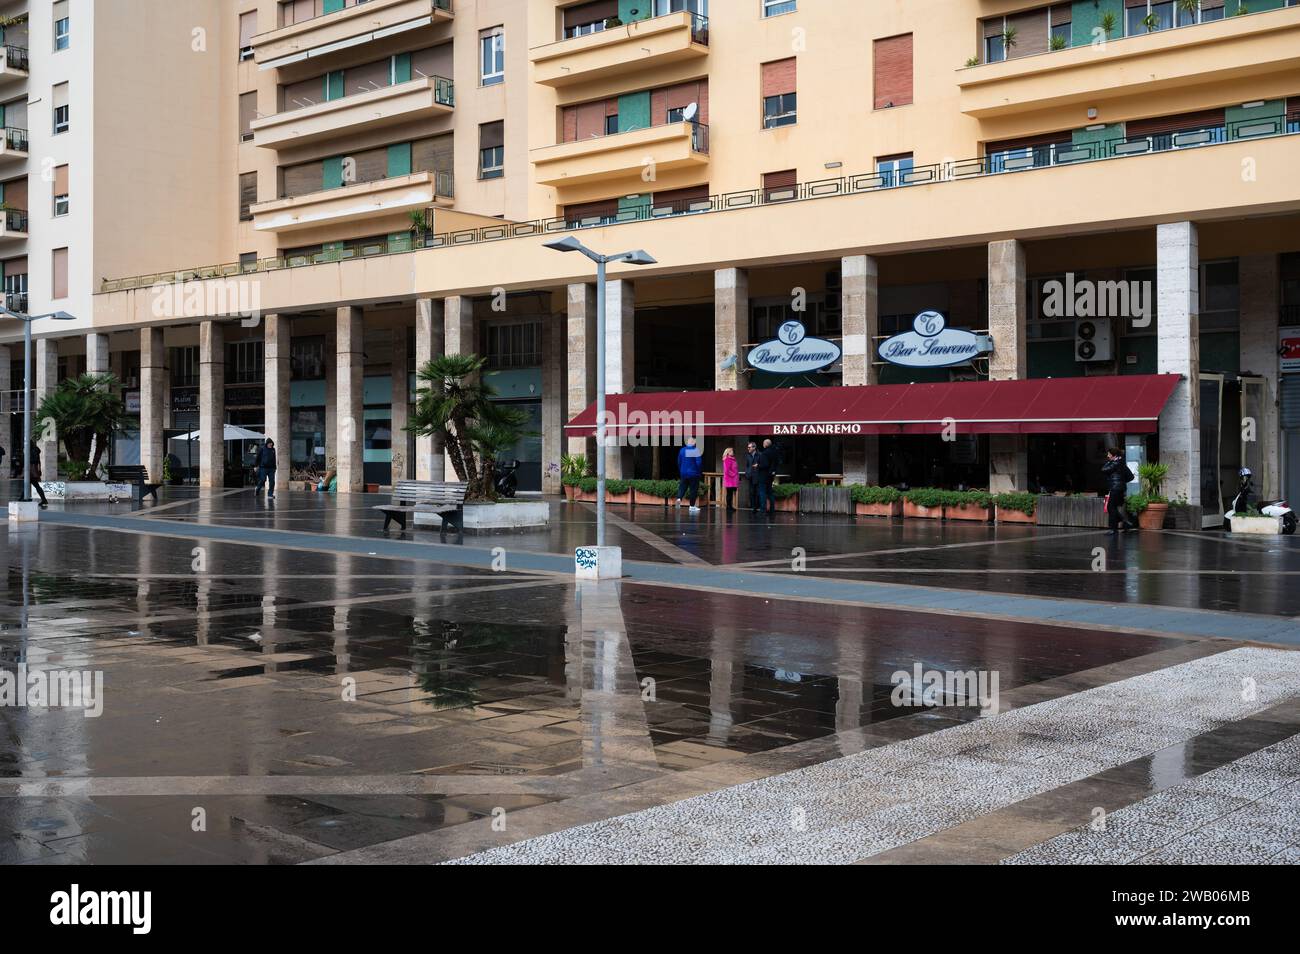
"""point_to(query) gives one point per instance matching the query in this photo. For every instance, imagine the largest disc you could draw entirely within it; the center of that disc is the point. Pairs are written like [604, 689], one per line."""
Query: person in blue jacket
[690, 467]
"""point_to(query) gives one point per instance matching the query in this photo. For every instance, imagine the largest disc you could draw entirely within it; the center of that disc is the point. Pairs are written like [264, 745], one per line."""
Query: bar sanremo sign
[930, 344]
[793, 352]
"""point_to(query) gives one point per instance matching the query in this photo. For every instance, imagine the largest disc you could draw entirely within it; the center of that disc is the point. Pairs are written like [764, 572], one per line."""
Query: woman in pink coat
[730, 477]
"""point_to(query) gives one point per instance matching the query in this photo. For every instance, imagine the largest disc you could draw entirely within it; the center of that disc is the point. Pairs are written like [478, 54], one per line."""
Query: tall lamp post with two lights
[636, 257]
[27, 321]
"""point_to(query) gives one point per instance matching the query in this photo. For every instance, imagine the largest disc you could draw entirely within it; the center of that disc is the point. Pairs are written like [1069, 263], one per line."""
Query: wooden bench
[447, 500]
[137, 477]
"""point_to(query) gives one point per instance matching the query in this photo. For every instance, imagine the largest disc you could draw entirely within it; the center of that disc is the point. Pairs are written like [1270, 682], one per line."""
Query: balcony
[362, 200]
[426, 97]
[13, 65]
[680, 145]
[13, 144]
[13, 225]
[619, 51]
[1257, 51]
[327, 33]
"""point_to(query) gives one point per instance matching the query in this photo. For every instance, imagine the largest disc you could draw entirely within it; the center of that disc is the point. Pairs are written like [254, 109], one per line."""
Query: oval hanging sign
[793, 352]
[931, 345]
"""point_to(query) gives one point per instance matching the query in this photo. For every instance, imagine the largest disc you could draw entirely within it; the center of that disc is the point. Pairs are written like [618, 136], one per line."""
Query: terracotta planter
[649, 500]
[923, 513]
[1153, 518]
[583, 497]
[570, 492]
[1006, 515]
[894, 509]
[971, 512]
[788, 504]
[625, 498]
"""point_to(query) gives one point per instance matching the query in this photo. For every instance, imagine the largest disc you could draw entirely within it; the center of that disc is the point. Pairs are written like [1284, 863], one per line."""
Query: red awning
[1127, 404]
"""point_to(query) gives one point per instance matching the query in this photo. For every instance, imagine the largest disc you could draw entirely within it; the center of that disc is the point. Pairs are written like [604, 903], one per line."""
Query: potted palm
[86, 410]
[573, 467]
[1152, 476]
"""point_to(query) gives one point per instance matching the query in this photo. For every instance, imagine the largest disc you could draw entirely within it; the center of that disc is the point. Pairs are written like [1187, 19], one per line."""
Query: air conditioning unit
[1093, 340]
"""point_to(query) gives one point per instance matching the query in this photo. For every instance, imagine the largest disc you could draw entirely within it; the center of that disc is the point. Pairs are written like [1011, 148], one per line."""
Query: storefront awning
[1128, 404]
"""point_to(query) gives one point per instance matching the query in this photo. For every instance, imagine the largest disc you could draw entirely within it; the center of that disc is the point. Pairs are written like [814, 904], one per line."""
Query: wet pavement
[341, 700]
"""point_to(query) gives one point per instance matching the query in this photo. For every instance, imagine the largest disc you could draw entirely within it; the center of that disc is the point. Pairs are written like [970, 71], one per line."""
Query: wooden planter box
[921, 513]
[788, 504]
[1006, 515]
[1184, 518]
[837, 500]
[972, 512]
[1053, 511]
[650, 500]
[625, 499]
[894, 509]
[582, 496]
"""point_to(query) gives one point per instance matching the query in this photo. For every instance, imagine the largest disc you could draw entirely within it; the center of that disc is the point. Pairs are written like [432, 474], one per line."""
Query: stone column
[554, 343]
[400, 405]
[730, 327]
[1178, 310]
[581, 377]
[212, 404]
[276, 348]
[153, 401]
[47, 379]
[1260, 306]
[429, 344]
[96, 353]
[620, 363]
[458, 338]
[349, 382]
[1008, 453]
[860, 321]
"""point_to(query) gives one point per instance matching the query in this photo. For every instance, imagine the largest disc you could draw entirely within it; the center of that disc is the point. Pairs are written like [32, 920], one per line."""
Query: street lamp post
[27, 385]
[636, 257]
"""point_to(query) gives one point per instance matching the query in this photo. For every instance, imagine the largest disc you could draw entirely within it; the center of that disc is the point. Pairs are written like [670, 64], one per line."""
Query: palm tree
[86, 410]
[455, 405]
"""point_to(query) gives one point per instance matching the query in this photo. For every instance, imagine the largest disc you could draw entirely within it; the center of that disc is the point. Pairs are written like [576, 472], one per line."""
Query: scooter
[507, 481]
[1276, 508]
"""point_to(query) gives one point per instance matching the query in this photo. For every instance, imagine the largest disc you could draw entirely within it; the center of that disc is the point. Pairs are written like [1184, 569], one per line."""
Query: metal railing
[444, 185]
[699, 28]
[444, 93]
[15, 220]
[16, 301]
[16, 58]
[320, 11]
[884, 181]
[15, 139]
[699, 134]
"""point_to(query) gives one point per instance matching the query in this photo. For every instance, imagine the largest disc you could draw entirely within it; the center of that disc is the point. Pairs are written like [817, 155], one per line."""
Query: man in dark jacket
[751, 475]
[774, 458]
[266, 468]
[1118, 477]
[34, 472]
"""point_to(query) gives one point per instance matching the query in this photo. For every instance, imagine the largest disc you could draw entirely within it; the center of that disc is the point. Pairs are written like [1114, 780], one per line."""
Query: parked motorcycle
[507, 482]
[1241, 503]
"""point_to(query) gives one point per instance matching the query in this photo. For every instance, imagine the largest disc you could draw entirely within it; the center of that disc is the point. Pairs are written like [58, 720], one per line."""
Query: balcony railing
[884, 181]
[444, 93]
[699, 135]
[16, 58]
[16, 301]
[15, 220]
[444, 185]
[699, 27]
[320, 11]
[15, 139]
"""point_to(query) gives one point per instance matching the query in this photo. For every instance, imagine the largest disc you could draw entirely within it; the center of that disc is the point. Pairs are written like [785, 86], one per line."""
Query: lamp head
[566, 244]
[638, 257]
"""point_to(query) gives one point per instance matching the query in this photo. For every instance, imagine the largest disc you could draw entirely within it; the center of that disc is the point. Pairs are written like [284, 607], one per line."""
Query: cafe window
[514, 344]
[767, 316]
[307, 358]
[185, 367]
[244, 364]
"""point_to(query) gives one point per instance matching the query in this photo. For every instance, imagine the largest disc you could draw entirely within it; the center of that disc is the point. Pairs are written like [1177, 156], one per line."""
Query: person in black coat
[752, 475]
[34, 472]
[266, 465]
[1118, 477]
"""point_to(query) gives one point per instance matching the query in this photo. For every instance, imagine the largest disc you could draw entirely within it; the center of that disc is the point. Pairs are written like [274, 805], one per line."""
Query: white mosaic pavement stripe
[849, 808]
[1245, 812]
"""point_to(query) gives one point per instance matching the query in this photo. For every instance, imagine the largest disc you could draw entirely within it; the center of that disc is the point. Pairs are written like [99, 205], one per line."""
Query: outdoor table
[713, 480]
[829, 480]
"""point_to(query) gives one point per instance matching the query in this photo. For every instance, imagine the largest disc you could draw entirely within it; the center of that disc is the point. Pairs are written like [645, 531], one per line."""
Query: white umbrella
[231, 433]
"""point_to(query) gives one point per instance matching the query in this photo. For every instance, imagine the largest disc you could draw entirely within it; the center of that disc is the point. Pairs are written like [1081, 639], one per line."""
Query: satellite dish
[690, 112]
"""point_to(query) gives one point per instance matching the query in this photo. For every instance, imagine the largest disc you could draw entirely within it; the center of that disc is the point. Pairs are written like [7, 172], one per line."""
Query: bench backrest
[429, 491]
[127, 472]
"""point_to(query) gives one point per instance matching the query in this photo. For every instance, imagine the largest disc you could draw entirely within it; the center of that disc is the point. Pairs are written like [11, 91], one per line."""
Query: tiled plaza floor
[320, 703]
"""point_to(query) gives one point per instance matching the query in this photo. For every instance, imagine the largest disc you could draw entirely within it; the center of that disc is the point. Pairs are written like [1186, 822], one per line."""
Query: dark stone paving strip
[1111, 617]
[991, 838]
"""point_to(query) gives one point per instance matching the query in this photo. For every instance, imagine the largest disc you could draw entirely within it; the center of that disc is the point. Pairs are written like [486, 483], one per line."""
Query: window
[15, 272]
[893, 170]
[307, 358]
[1142, 16]
[780, 186]
[779, 82]
[61, 190]
[611, 124]
[62, 26]
[698, 7]
[587, 18]
[491, 150]
[247, 195]
[248, 261]
[774, 8]
[247, 29]
[244, 364]
[184, 363]
[891, 66]
[492, 56]
[59, 98]
[59, 272]
[515, 344]
[995, 50]
[247, 113]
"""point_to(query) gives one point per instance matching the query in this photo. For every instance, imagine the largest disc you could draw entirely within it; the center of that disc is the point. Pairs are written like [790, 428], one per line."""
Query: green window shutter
[399, 159]
[402, 68]
[332, 6]
[333, 173]
[334, 85]
[633, 111]
[629, 10]
[399, 241]
[2, 109]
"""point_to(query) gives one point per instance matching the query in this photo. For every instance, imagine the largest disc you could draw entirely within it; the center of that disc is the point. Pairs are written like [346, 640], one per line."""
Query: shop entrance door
[1254, 392]
[1211, 431]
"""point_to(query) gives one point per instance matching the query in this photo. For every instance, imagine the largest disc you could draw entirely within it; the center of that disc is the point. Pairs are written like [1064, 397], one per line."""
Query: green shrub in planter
[1021, 503]
[924, 496]
[935, 497]
[667, 489]
[874, 495]
[1136, 503]
[617, 488]
[586, 484]
[782, 491]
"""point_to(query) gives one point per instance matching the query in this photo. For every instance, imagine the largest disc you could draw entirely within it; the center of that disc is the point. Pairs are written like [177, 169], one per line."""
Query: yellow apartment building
[270, 213]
